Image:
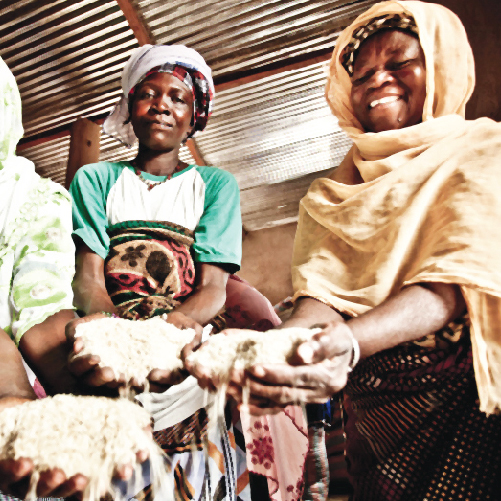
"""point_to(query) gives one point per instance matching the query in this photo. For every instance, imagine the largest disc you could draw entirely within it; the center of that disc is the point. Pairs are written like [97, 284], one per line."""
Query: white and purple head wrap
[185, 63]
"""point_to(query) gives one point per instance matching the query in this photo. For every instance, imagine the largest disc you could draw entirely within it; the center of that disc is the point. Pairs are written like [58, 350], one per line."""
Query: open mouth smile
[383, 100]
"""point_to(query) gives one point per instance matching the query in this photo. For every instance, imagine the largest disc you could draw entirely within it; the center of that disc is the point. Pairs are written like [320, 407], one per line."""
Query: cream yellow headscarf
[420, 204]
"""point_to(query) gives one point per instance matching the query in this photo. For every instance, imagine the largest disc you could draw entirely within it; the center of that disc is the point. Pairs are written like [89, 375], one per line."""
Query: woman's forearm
[308, 311]
[89, 287]
[14, 384]
[204, 304]
[209, 295]
[416, 311]
[45, 349]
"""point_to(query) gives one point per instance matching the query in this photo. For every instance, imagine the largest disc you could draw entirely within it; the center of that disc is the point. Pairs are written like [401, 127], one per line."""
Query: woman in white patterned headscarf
[158, 236]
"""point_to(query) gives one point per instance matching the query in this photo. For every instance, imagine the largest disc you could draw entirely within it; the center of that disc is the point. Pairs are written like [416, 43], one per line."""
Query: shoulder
[100, 173]
[214, 175]
[100, 169]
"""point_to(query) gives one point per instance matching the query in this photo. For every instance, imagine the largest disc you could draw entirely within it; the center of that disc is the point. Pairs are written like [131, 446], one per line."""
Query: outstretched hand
[206, 378]
[86, 368]
[321, 367]
[15, 477]
[160, 379]
[15, 474]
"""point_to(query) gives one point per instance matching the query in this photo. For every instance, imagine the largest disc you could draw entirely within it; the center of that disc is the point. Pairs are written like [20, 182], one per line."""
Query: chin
[158, 145]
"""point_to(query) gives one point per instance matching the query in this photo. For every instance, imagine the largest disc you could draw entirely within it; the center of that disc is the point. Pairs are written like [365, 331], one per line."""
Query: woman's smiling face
[162, 112]
[389, 81]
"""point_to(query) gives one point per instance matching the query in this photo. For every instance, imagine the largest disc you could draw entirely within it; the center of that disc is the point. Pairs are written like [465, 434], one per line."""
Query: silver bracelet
[355, 352]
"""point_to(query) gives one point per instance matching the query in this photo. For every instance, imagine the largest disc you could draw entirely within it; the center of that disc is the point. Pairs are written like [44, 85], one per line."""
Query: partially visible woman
[398, 254]
[15, 475]
[36, 269]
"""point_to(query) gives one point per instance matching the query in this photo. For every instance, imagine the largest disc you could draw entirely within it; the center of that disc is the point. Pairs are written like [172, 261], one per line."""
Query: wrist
[355, 350]
[11, 400]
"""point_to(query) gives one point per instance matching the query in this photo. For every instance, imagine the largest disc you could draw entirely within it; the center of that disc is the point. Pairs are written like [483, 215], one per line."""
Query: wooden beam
[44, 137]
[195, 152]
[250, 76]
[84, 146]
[136, 24]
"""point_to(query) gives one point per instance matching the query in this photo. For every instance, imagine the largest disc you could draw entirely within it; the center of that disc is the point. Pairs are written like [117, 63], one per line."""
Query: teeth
[383, 100]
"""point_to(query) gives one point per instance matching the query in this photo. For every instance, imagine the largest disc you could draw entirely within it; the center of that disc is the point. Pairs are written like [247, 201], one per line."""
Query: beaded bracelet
[109, 315]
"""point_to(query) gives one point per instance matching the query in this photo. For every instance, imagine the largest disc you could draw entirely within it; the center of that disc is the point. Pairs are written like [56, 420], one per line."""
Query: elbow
[453, 302]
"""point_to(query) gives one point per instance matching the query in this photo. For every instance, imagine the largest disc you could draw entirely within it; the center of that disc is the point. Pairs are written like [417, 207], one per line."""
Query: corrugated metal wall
[67, 56]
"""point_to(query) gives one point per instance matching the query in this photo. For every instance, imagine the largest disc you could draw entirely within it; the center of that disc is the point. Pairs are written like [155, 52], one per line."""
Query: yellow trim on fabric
[242, 481]
[216, 455]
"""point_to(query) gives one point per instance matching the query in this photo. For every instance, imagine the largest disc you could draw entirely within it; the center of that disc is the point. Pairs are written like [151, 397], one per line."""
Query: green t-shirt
[205, 200]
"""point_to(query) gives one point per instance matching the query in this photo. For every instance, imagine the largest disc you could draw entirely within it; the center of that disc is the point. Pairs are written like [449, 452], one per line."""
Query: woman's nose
[380, 77]
[163, 104]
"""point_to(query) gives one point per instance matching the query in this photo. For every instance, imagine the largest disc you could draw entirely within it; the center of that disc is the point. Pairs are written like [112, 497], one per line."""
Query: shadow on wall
[266, 261]
[482, 19]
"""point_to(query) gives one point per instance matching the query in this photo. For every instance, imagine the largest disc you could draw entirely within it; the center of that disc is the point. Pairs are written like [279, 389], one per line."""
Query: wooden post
[195, 152]
[84, 146]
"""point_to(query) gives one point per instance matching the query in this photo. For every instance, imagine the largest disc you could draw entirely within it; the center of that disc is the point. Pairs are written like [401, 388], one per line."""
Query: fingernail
[258, 371]
[306, 351]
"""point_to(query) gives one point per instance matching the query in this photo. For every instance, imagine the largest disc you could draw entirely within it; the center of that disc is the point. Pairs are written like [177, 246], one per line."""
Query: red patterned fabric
[276, 446]
[149, 269]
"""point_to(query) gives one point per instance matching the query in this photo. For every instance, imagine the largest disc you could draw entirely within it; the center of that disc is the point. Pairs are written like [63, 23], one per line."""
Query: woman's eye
[178, 99]
[146, 95]
[360, 80]
[396, 65]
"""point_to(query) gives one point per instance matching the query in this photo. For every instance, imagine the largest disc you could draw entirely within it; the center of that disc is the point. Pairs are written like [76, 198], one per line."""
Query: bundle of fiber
[241, 349]
[92, 436]
[134, 347]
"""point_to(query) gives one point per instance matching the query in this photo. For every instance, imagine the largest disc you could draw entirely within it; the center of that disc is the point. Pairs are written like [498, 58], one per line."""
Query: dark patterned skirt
[414, 429]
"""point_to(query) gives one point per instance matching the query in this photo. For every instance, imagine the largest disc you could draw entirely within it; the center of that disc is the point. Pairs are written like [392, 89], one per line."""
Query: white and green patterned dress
[36, 248]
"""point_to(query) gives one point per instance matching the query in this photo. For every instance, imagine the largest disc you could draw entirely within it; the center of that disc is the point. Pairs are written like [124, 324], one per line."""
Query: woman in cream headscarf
[36, 268]
[398, 253]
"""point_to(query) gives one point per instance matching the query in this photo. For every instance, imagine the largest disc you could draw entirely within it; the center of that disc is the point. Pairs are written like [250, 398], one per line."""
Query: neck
[156, 163]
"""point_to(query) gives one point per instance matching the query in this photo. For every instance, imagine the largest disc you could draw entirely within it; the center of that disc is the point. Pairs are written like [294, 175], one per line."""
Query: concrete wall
[266, 261]
[482, 21]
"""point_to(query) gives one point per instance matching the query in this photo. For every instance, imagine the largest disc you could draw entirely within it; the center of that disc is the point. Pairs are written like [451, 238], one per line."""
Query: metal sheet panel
[273, 134]
[245, 35]
[67, 56]
[270, 132]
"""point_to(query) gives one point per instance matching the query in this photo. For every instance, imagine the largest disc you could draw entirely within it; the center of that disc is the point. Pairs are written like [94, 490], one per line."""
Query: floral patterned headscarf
[184, 63]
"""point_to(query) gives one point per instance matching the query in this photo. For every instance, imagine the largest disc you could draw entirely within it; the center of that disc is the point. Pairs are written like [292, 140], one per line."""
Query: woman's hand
[161, 380]
[204, 375]
[321, 370]
[15, 474]
[86, 368]
[15, 477]
[181, 321]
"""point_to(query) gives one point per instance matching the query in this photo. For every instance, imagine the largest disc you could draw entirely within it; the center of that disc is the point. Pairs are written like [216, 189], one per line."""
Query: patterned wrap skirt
[149, 271]
[414, 429]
